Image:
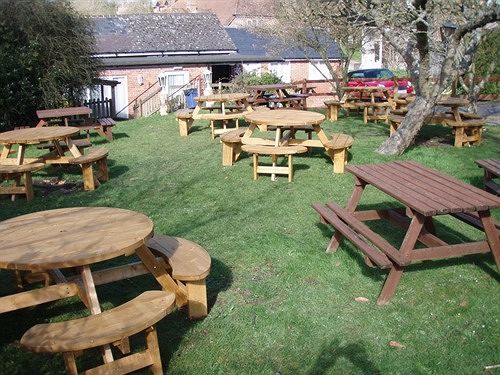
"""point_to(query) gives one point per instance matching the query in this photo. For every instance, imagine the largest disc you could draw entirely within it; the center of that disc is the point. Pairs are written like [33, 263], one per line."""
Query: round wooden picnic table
[285, 118]
[37, 135]
[70, 237]
[221, 98]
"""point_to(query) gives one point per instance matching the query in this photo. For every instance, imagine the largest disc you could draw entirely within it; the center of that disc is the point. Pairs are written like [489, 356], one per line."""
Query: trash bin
[189, 95]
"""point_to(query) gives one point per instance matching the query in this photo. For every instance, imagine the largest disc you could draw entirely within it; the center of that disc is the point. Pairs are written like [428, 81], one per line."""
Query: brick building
[136, 49]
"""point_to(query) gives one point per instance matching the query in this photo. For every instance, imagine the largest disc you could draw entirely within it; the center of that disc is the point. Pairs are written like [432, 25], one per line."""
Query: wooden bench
[467, 131]
[288, 151]
[394, 122]
[491, 171]
[190, 266]
[81, 144]
[376, 111]
[338, 145]
[231, 146]
[98, 156]
[185, 120]
[373, 246]
[333, 107]
[225, 119]
[102, 126]
[109, 327]
[15, 172]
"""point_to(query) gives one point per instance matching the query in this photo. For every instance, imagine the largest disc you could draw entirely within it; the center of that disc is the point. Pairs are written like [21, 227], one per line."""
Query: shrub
[45, 58]
[252, 79]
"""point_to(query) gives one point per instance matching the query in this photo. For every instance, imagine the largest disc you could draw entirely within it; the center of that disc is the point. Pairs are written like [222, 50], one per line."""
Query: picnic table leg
[359, 187]
[275, 157]
[161, 275]
[491, 235]
[392, 280]
[6, 151]
[94, 307]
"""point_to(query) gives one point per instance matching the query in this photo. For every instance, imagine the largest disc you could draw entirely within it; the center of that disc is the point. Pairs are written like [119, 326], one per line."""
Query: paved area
[491, 111]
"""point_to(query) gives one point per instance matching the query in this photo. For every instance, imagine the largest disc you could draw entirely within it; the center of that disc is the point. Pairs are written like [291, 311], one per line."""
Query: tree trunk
[418, 112]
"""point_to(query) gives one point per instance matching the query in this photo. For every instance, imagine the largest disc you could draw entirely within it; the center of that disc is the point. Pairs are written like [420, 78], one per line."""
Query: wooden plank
[433, 191]
[450, 251]
[102, 233]
[473, 219]
[462, 200]
[37, 296]
[379, 258]
[390, 187]
[381, 244]
[415, 189]
[123, 365]
[469, 191]
[97, 330]
[161, 275]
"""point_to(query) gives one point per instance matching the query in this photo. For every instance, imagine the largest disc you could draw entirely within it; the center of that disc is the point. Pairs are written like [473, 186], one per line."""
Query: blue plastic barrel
[189, 95]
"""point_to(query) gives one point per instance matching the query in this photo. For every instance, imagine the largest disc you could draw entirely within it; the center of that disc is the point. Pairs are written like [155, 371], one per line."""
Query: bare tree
[309, 24]
[434, 55]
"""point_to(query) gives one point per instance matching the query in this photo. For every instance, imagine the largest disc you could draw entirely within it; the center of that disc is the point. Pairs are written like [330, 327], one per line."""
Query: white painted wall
[371, 51]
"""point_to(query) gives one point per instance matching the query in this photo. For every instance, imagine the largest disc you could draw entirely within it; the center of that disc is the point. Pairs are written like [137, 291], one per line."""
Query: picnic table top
[280, 86]
[366, 88]
[285, 117]
[222, 97]
[452, 102]
[63, 112]
[70, 237]
[491, 165]
[37, 135]
[423, 189]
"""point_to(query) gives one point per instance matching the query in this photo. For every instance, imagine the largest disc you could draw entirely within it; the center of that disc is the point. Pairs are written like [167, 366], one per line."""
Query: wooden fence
[101, 108]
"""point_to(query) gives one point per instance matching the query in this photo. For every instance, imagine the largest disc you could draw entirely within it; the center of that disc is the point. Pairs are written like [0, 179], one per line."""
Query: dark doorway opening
[222, 73]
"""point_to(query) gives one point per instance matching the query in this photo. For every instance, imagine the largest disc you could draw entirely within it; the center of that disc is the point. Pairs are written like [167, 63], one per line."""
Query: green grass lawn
[278, 302]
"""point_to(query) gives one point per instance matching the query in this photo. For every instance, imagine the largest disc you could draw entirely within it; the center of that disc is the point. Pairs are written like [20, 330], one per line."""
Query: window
[174, 81]
[318, 70]
[282, 70]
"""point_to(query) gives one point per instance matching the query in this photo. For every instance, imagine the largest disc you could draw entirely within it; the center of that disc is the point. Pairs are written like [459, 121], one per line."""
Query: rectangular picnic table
[102, 126]
[278, 94]
[425, 193]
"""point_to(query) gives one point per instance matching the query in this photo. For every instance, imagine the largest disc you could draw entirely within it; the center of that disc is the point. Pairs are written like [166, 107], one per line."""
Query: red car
[378, 77]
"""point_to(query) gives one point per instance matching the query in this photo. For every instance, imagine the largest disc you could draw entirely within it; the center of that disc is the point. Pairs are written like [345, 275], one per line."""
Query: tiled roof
[223, 9]
[251, 43]
[161, 32]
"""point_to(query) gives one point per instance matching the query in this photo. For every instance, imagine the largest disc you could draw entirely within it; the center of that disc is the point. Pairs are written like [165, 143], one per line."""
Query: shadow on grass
[333, 351]
[103, 141]
[171, 329]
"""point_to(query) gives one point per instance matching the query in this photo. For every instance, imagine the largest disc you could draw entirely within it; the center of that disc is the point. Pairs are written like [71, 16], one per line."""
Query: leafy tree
[45, 58]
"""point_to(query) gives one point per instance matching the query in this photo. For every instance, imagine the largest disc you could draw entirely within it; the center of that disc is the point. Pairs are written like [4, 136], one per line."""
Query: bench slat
[271, 150]
[381, 243]
[12, 168]
[189, 261]
[93, 155]
[104, 328]
[379, 258]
